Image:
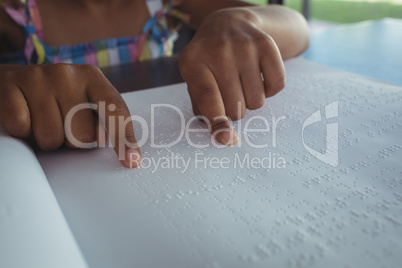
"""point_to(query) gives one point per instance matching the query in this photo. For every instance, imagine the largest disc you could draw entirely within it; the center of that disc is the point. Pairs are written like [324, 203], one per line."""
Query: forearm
[288, 28]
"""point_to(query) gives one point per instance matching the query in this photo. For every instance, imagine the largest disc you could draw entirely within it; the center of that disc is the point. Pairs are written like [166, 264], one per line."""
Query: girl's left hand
[222, 67]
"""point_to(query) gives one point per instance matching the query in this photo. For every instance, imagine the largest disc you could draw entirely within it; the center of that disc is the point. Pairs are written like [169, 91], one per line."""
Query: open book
[315, 182]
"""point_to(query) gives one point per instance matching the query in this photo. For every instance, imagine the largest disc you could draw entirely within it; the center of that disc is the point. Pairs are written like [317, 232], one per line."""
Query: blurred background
[326, 13]
[341, 40]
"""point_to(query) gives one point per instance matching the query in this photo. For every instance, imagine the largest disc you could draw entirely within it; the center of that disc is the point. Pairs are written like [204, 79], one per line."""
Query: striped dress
[156, 40]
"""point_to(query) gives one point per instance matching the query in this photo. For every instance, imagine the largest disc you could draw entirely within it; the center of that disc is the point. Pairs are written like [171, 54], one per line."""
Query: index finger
[205, 91]
[115, 115]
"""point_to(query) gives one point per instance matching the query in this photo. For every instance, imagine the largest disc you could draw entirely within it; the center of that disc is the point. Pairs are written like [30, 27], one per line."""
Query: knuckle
[225, 49]
[61, 69]
[69, 144]
[91, 69]
[276, 86]
[116, 105]
[6, 76]
[186, 54]
[49, 140]
[88, 136]
[225, 45]
[83, 130]
[90, 73]
[234, 114]
[244, 43]
[122, 110]
[34, 72]
[206, 95]
[187, 57]
[60, 72]
[118, 101]
[265, 41]
[18, 123]
[22, 122]
[255, 103]
[280, 82]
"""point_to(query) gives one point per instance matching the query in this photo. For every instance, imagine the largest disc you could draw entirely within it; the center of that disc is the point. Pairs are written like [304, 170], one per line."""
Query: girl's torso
[73, 22]
[131, 32]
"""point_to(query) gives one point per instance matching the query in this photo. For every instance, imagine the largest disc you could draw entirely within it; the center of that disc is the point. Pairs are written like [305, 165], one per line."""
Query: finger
[101, 135]
[14, 112]
[79, 119]
[78, 122]
[273, 71]
[116, 117]
[232, 94]
[47, 122]
[196, 111]
[205, 91]
[253, 87]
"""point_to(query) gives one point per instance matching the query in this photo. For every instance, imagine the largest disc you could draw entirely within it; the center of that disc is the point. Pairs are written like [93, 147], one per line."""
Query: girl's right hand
[36, 99]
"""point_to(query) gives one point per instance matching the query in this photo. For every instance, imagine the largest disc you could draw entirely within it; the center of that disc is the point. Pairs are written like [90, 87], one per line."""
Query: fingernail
[133, 158]
[227, 137]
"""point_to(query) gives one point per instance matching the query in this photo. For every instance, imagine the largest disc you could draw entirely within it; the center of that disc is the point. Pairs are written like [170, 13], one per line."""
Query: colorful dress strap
[27, 16]
[155, 40]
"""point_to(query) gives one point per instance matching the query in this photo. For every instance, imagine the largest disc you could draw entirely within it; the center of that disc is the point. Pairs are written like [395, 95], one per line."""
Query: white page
[308, 214]
[33, 231]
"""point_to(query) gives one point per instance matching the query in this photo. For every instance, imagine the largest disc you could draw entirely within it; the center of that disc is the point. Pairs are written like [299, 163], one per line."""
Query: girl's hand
[222, 66]
[36, 99]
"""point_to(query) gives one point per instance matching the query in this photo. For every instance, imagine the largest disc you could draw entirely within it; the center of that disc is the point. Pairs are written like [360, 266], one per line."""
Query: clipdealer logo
[330, 156]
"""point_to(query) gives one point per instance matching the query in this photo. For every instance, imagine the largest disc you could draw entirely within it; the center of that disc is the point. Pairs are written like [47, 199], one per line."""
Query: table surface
[143, 75]
[372, 48]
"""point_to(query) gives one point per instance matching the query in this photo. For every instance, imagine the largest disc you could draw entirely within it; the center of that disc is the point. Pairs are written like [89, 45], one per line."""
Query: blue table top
[370, 48]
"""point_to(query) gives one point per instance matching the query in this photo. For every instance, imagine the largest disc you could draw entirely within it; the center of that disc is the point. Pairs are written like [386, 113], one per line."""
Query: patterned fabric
[156, 40]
